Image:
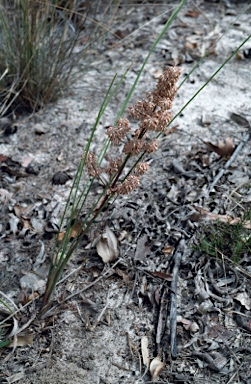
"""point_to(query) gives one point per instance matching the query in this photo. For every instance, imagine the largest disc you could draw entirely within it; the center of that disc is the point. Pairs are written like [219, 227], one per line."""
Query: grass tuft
[38, 52]
[231, 241]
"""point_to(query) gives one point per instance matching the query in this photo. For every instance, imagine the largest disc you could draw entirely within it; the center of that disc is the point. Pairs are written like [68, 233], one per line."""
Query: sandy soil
[96, 336]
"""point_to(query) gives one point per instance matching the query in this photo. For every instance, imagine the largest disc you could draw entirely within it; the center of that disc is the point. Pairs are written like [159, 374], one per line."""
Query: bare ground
[95, 337]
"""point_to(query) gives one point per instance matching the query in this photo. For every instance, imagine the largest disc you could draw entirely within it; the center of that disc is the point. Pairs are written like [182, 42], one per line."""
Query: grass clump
[223, 239]
[119, 165]
[37, 50]
[123, 169]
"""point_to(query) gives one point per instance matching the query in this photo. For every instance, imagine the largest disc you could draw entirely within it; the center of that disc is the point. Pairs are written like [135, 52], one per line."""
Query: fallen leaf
[22, 340]
[205, 215]
[14, 378]
[26, 160]
[222, 149]
[3, 158]
[124, 276]
[193, 13]
[74, 231]
[5, 195]
[244, 299]
[60, 178]
[190, 45]
[188, 324]
[23, 211]
[170, 130]
[246, 224]
[145, 351]
[143, 248]
[240, 120]
[60, 156]
[163, 275]
[156, 367]
[61, 236]
[168, 249]
[107, 246]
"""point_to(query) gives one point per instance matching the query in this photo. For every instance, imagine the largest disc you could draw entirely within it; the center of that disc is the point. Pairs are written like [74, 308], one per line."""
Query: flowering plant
[154, 115]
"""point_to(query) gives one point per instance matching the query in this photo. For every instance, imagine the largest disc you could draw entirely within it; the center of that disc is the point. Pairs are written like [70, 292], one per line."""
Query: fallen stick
[173, 300]
[162, 320]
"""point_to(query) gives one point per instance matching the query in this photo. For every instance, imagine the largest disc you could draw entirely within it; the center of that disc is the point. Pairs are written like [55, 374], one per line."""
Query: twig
[49, 311]
[100, 315]
[134, 284]
[229, 162]
[173, 295]
[162, 319]
[93, 283]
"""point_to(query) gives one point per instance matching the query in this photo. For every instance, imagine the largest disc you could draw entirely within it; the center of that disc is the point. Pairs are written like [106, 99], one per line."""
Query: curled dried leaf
[107, 246]
[222, 149]
[188, 324]
[244, 299]
[156, 367]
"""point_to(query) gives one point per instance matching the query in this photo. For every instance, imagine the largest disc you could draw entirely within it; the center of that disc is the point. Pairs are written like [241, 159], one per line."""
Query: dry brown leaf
[22, 340]
[193, 13]
[222, 149]
[3, 158]
[32, 296]
[73, 232]
[170, 130]
[246, 224]
[124, 276]
[163, 275]
[189, 45]
[23, 211]
[206, 215]
[61, 236]
[168, 249]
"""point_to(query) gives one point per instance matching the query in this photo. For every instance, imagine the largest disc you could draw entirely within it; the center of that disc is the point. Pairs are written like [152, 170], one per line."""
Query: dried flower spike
[91, 163]
[128, 185]
[117, 134]
[154, 115]
[140, 169]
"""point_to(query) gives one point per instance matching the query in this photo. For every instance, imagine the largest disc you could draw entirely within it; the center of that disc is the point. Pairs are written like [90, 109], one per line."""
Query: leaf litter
[198, 308]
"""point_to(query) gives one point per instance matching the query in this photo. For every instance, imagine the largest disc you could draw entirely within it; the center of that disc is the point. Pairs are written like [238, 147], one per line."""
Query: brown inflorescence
[128, 185]
[117, 134]
[92, 165]
[154, 115]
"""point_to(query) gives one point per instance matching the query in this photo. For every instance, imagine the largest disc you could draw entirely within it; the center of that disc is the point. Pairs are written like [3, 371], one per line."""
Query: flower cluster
[92, 166]
[154, 115]
[117, 134]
